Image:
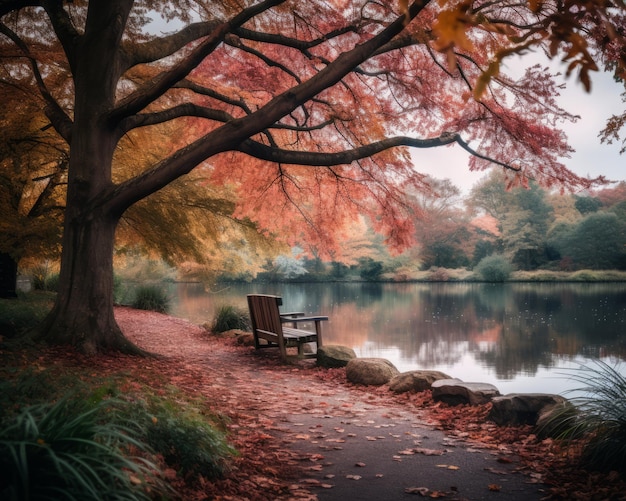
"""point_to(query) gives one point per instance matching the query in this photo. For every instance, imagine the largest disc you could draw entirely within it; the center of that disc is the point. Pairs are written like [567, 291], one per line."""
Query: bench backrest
[264, 313]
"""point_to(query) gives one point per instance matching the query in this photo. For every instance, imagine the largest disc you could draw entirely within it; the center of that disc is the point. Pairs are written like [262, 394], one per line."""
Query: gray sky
[591, 158]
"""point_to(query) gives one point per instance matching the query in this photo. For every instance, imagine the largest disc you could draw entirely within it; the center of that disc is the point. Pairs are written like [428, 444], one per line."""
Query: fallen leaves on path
[255, 394]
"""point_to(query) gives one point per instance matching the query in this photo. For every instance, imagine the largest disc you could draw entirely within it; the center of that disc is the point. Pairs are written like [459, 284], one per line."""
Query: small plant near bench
[230, 317]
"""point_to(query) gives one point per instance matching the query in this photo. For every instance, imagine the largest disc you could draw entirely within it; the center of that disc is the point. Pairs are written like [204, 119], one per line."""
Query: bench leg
[318, 331]
[283, 351]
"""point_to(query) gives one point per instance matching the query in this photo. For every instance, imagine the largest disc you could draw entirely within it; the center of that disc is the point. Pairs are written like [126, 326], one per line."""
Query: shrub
[370, 270]
[230, 317]
[66, 450]
[20, 315]
[600, 421]
[192, 446]
[151, 297]
[39, 274]
[494, 268]
[438, 275]
[182, 433]
[585, 276]
[119, 291]
[52, 282]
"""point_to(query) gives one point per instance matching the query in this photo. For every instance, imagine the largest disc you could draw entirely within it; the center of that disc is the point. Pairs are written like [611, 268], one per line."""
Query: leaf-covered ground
[256, 395]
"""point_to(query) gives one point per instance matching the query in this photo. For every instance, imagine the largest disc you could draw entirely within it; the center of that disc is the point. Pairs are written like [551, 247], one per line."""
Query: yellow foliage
[450, 29]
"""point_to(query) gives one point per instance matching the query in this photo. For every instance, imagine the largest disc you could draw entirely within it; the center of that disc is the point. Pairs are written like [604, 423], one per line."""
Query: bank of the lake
[521, 337]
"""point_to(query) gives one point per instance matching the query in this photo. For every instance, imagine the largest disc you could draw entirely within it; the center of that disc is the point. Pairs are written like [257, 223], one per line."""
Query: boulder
[370, 371]
[554, 420]
[417, 381]
[456, 392]
[332, 356]
[522, 408]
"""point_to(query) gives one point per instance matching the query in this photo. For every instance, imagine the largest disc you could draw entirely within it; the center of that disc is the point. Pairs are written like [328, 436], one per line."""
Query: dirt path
[330, 439]
[305, 433]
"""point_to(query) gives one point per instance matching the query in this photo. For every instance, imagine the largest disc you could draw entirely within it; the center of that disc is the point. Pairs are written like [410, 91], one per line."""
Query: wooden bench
[270, 329]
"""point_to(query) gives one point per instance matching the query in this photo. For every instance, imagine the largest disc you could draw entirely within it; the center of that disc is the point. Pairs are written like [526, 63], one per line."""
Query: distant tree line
[528, 228]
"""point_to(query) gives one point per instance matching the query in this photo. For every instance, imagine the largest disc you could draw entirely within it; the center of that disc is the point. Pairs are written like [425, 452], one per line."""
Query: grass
[70, 450]
[24, 313]
[228, 317]
[599, 425]
[151, 297]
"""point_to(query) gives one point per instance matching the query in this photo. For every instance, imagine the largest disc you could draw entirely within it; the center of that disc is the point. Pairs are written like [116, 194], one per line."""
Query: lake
[521, 337]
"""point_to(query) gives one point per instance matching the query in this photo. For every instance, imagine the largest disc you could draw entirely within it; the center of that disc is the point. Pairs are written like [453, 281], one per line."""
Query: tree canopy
[302, 110]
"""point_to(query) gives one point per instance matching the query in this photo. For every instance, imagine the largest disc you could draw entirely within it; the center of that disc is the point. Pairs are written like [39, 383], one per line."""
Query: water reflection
[517, 336]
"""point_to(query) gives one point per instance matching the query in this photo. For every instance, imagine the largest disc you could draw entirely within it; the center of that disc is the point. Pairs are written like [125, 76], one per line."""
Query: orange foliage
[408, 90]
[419, 84]
[486, 223]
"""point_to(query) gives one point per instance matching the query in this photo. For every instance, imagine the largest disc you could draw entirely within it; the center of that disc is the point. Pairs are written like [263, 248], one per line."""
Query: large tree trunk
[83, 314]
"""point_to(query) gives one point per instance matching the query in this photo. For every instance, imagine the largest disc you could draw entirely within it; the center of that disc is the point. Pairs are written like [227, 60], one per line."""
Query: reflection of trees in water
[518, 351]
[512, 328]
[436, 353]
[543, 322]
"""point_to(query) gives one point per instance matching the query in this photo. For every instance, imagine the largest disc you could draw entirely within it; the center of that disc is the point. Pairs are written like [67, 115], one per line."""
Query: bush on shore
[151, 297]
[229, 317]
[494, 268]
[598, 427]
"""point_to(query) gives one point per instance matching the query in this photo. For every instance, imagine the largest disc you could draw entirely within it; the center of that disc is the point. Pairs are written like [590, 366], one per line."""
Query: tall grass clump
[73, 450]
[229, 317]
[182, 433]
[599, 425]
[494, 268]
[151, 297]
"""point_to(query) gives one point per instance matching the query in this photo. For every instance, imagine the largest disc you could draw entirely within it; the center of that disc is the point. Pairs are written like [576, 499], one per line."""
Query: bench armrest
[293, 314]
[303, 319]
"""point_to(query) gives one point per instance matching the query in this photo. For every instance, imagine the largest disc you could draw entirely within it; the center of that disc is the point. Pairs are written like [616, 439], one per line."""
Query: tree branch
[64, 29]
[317, 159]
[268, 61]
[160, 48]
[182, 110]
[60, 120]
[206, 91]
[156, 87]
[294, 43]
[230, 135]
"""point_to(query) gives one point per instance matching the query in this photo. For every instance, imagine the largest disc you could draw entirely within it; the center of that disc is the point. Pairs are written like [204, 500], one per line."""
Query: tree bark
[83, 313]
[8, 276]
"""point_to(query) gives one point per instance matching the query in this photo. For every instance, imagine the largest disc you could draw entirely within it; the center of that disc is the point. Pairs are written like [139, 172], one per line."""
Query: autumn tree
[300, 108]
[587, 204]
[33, 174]
[441, 228]
[525, 226]
[597, 242]
[33, 179]
[208, 240]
